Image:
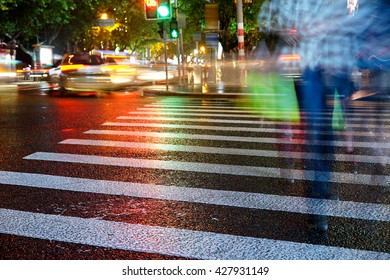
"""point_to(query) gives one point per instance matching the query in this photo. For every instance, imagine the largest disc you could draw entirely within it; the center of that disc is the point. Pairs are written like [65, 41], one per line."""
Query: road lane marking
[184, 136]
[232, 121]
[196, 114]
[354, 115]
[189, 120]
[212, 168]
[248, 116]
[232, 129]
[260, 201]
[238, 106]
[168, 241]
[230, 138]
[223, 151]
[355, 110]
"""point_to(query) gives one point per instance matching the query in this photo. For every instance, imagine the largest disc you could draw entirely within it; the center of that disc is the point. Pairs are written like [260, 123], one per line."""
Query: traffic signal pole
[160, 10]
[166, 55]
[240, 30]
[241, 47]
[178, 44]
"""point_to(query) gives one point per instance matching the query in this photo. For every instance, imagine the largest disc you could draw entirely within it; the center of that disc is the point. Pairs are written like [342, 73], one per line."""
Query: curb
[155, 92]
[213, 91]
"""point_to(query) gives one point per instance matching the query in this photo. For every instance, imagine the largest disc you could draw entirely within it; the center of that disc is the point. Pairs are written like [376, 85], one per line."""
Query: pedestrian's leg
[319, 145]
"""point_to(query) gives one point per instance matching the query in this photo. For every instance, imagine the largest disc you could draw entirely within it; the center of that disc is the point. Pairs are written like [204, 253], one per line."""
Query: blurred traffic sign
[181, 20]
[211, 17]
[197, 36]
[105, 22]
[212, 40]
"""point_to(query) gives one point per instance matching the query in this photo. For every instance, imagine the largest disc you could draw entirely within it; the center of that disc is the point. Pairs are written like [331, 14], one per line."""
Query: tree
[6, 4]
[228, 21]
[131, 27]
[71, 24]
[25, 20]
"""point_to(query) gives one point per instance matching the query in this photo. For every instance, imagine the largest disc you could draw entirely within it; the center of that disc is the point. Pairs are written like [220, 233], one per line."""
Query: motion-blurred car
[6, 76]
[84, 72]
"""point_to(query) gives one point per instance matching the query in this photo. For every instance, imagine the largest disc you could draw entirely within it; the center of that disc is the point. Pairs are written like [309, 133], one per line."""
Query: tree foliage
[71, 24]
[227, 10]
[27, 20]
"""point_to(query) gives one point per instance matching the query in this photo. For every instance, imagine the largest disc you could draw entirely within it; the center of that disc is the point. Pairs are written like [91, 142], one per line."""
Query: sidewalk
[207, 90]
[198, 90]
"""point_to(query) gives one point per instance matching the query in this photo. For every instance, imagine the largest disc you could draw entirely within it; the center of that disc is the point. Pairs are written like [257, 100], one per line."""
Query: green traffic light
[174, 34]
[164, 11]
[174, 31]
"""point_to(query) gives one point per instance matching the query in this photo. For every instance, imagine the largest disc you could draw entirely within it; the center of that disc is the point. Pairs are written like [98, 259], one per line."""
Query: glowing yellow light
[290, 57]
[71, 67]
[151, 3]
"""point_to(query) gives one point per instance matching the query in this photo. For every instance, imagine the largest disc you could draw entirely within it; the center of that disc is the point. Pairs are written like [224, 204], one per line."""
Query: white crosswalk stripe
[239, 170]
[224, 151]
[169, 241]
[244, 114]
[270, 140]
[347, 209]
[230, 128]
[188, 243]
[259, 122]
[247, 111]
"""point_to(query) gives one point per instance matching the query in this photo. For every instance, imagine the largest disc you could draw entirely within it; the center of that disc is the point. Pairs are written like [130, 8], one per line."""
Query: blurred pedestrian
[280, 100]
[326, 35]
[23, 61]
[374, 63]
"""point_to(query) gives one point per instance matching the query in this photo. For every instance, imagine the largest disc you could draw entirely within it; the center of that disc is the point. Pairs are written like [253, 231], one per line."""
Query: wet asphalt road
[168, 171]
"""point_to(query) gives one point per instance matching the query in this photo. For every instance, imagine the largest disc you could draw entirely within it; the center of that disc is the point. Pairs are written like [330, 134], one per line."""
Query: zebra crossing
[221, 161]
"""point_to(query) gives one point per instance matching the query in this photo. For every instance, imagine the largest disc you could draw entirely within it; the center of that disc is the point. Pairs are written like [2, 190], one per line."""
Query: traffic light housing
[161, 29]
[164, 10]
[157, 9]
[151, 7]
[173, 29]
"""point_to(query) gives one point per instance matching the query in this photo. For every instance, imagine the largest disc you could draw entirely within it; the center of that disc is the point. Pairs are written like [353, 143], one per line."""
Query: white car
[84, 72]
